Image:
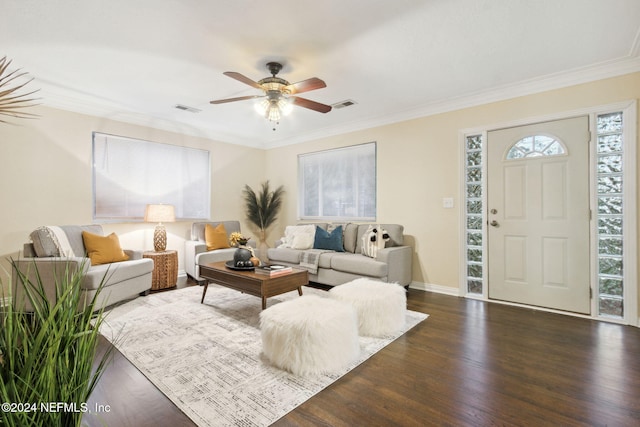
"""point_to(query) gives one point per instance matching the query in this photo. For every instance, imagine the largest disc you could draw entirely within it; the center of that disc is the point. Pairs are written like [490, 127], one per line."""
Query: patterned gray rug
[207, 358]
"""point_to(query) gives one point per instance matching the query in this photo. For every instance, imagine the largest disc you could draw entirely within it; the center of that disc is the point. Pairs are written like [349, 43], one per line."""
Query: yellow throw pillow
[103, 249]
[216, 237]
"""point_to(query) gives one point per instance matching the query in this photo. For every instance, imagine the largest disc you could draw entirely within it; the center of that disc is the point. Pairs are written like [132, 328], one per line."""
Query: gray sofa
[120, 280]
[196, 253]
[392, 263]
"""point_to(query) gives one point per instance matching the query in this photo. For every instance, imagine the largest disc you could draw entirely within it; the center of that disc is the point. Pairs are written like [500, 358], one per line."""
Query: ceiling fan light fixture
[278, 99]
[274, 108]
[273, 113]
[285, 105]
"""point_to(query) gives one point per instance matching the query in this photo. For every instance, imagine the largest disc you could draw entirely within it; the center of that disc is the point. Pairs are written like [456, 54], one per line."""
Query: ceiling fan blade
[244, 79]
[312, 105]
[241, 98]
[306, 85]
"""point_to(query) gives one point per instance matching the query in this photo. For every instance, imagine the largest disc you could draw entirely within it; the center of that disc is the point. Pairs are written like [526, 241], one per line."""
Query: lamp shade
[160, 213]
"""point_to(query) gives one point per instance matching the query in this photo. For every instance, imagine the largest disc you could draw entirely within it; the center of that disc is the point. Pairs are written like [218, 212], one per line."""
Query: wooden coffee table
[252, 283]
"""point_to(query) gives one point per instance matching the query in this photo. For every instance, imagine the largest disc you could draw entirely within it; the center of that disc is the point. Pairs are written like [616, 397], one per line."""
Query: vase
[262, 246]
[241, 257]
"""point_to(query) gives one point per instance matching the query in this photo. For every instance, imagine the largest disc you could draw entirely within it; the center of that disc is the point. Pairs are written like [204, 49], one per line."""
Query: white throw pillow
[302, 241]
[299, 236]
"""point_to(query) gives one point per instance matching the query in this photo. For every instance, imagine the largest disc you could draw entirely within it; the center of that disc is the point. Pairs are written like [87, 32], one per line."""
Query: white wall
[45, 171]
[46, 176]
[419, 162]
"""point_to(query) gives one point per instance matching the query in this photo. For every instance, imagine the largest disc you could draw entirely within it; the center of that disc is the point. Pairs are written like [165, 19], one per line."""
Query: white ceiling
[134, 60]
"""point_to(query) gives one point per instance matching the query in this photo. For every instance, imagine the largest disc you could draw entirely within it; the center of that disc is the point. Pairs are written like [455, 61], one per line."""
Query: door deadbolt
[494, 211]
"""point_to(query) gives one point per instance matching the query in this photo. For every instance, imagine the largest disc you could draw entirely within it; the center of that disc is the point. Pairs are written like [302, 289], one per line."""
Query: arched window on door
[536, 146]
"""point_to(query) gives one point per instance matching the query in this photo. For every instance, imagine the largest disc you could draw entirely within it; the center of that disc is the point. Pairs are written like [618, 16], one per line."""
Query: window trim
[331, 151]
[101, 140]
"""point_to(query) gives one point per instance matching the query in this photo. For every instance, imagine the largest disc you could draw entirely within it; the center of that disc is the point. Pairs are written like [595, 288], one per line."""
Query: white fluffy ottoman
[310, 335]
[381, 307]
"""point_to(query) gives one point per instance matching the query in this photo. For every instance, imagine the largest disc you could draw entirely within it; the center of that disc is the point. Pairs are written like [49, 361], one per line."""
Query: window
[129, 173]
[473, 213]
[609, 128]
[536, 146]
[338, 184]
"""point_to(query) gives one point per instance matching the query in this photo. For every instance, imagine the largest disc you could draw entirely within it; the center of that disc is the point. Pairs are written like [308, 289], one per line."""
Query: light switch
[447, 202]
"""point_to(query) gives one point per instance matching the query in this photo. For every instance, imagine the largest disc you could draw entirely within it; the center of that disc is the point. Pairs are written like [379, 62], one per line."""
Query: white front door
[538, 214]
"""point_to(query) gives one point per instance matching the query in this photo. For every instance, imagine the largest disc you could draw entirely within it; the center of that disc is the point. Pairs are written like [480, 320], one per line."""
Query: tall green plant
[262, 208]
[48, 354]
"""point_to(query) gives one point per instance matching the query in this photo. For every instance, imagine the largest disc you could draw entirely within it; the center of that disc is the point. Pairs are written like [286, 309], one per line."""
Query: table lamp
[159, 213]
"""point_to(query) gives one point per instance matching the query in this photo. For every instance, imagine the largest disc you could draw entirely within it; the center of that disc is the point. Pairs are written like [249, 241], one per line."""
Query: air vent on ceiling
[186, 108]
[342, 104]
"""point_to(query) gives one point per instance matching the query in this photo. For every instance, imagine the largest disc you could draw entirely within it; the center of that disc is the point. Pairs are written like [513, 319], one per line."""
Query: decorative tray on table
[230, 265]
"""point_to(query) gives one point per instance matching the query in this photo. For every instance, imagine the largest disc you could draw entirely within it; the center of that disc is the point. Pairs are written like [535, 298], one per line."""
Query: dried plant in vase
[262, 209]
[12, 104]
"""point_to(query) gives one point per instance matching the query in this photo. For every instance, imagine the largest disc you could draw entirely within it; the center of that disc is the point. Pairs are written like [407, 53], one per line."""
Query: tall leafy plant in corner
[262, 208]
[11, 103]
[49, 355]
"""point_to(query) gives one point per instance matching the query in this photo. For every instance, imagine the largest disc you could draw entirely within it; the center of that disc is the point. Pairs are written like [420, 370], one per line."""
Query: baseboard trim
[5, 301]
[182, 278]
[432, 287]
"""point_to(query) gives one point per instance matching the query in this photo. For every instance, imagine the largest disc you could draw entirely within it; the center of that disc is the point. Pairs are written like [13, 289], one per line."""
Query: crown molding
[121, 113]
[549, 82]
[114, 111]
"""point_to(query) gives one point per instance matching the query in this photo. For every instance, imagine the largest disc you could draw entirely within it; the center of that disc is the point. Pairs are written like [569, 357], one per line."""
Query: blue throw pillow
[326, 240]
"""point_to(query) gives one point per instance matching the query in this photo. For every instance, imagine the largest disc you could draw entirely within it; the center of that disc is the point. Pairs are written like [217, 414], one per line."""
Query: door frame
[630, 239]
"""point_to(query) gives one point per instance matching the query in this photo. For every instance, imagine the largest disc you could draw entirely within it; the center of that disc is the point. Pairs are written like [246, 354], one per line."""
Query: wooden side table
[165, 269]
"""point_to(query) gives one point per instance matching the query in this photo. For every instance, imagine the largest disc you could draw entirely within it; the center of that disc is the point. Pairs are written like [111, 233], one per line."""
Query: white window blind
[338, 184]
[130, 173]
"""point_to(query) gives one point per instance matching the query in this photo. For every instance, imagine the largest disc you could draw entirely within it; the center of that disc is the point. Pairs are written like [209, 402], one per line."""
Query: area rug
[207, 358]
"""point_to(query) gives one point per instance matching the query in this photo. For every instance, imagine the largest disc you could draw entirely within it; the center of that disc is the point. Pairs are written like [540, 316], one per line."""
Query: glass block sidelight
[610, 194]
[473, 213]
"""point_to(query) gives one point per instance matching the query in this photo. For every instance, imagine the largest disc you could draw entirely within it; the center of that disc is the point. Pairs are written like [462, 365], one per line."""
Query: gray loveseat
[196, 253]
[47, 257]
[391, 264]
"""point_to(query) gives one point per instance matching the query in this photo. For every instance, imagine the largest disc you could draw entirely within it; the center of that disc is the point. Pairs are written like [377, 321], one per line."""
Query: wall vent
[342, 104]
[186, 108]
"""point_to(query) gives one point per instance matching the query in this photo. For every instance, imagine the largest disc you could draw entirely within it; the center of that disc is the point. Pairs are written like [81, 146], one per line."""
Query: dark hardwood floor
[470, 363]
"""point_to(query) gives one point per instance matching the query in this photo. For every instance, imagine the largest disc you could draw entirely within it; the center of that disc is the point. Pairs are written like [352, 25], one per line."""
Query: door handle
[494, 223]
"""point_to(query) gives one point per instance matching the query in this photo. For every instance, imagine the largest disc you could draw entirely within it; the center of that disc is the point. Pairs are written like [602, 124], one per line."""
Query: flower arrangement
[237, 239]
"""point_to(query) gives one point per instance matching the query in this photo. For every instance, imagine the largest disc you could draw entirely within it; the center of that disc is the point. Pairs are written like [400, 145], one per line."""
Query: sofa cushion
[325, 259]
[329, 240]
[287, 255]
[103, 249]
[216, 237]
[112, 274]
[349, 237]
[74, 235]
[197, 228]
[359, 264]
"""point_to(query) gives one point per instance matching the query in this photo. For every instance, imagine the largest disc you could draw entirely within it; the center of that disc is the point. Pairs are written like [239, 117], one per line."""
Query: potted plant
[47, 356]
[262, 210]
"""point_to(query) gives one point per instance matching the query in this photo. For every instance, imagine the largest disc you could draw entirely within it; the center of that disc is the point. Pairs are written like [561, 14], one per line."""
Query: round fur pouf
[381, 307]
[310, 335]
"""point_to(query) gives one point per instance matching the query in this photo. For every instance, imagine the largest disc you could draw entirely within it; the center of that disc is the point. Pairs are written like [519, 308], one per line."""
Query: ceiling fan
[277, 97]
